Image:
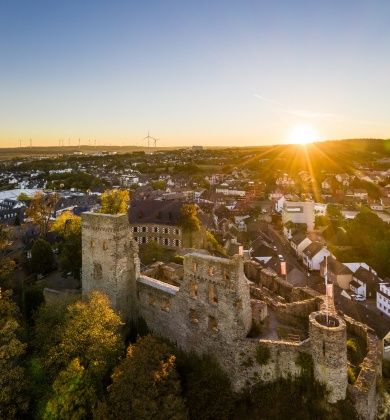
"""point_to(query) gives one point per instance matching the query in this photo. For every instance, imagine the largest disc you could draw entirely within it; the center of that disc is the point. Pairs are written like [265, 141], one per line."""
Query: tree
[207, 387]
[68, 227]
[42, 257]
[145, 385]
[73, 394]
[115, 201]
[152, 252]
[159, 185]
[13, 386]
[41, 209]
[91, 333]
[6, 264]
[24, 197]
[189, 218]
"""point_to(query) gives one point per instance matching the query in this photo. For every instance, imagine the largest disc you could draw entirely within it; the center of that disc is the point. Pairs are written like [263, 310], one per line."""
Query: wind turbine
[148, 138]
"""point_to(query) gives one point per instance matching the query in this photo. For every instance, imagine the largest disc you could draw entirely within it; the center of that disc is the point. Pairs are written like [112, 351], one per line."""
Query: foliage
[189, 220]
[42, 257]
[115, 201]
[305, 362]
[263, 354]
[73, 394]
[67, 224]
[333, 211]
[152, 252]
[298, 399]
[91, 333]
[13, 386]
[206, 387]
[24, 197]
[351, 375]
[145, 384]
[68, 227]
[178, 259]
[7, 265]
[80, 181]
[159, 185]
[213, 245]
[41, 209]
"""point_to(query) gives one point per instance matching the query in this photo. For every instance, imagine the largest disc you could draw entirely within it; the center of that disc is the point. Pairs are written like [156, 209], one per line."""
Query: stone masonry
[211, 311]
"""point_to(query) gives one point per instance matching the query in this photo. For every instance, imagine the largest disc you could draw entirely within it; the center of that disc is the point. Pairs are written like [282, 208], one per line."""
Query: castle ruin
[215, 308]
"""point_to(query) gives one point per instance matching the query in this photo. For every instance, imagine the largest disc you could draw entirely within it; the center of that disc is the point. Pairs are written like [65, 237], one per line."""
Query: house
[364, 282]
[155, 220]
[299, 212]
[313, 254]
[383, 300]
[338, 273]
[299, 242]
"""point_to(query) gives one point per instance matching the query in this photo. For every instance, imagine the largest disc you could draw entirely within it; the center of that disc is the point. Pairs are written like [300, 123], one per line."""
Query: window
[166, 305]
[212, 292]
[177, 231]
[193, 288]
[194, 318]
[213, 324]
[166, 230]
[166, 241]
[105, 246]
[177, 242]
[144, 229]
[194, 267]
[211, 271]
[144, 240]
[97, 271]
[155, 229]
[91, 244]
[135, 229]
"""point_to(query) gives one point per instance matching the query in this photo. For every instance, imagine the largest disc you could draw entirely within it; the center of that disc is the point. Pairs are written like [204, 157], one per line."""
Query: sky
[193, 72]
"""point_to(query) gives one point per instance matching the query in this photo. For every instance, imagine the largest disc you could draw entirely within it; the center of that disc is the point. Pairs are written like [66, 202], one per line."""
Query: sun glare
[303, 134]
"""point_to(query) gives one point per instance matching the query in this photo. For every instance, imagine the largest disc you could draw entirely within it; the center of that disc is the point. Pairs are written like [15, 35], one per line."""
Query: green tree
[115, 201]
[73, 394]
[151, 252]
[13, 385]
[145, 385]
[68, 227]
[24, 197]
[189, 218]
[159, 185]
[42, 257]
[207, 387]
[7, 265]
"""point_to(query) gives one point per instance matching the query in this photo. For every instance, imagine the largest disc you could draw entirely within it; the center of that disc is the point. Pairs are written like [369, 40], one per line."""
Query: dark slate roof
[336, 267]
[298, 237]
[313, 249]
[365, 275]
[155, 211]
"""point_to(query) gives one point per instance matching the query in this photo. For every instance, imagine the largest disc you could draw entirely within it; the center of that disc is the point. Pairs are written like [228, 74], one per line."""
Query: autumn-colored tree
[115, 201]
[68, 227]
[189, 218]
[67, 224]
[7, 265]
[73, 396]
[40, 210]
[91, 333]
[42, 257]
[13, 386]
[145, 385]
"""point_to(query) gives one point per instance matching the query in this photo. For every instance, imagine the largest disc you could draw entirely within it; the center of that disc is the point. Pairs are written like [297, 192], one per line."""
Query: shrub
[305, 362]
[263, 354]
[351, 375]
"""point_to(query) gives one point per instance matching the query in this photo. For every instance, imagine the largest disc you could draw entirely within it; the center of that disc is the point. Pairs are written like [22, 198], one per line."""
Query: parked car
[360, 298]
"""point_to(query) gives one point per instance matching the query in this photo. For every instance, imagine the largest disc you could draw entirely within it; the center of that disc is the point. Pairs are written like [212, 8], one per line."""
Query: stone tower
[110, 260]
[328, 341]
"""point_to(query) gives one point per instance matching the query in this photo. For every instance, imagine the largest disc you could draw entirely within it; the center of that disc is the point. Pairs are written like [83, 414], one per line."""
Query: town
[307, 227]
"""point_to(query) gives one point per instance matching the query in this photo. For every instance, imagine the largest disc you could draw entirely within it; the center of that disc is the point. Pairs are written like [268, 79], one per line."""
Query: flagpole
[326, 289]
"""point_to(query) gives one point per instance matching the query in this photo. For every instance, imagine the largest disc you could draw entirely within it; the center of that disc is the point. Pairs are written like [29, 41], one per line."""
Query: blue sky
[213, 73]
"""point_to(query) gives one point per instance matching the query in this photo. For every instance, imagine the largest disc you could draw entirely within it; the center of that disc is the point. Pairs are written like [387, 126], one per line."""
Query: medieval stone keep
[216, 309]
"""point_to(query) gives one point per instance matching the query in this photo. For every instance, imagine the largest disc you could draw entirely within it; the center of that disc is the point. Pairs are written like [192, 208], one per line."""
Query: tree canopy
[115, 201]
[42, 257]
[41, 209]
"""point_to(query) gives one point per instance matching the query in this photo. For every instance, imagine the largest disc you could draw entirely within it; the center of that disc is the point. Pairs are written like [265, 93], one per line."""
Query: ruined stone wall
[283, 361]
[363, 392]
